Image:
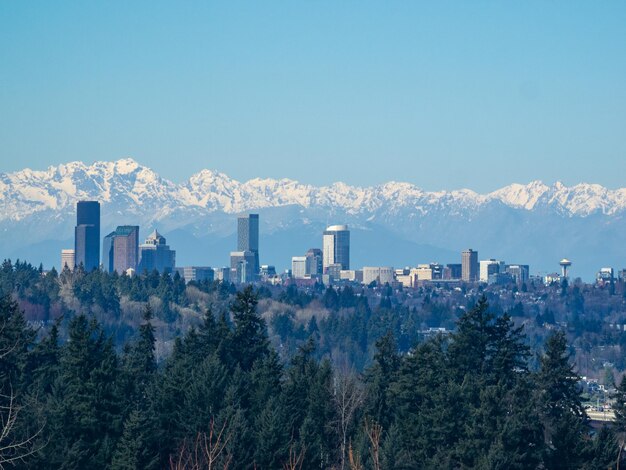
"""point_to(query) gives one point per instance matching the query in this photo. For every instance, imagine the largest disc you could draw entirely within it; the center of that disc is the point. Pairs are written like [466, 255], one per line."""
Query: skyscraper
[314, 262]
[336, 247]
[298, 267]
[156, 254]
[469, 265]
[248, 238]
[68, 259]
[107, 252]
[487, 268]
[123, 249]
[241, 266]
[87, 235]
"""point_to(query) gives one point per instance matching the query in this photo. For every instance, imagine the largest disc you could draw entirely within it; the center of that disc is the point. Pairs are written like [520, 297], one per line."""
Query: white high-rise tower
[336, 246]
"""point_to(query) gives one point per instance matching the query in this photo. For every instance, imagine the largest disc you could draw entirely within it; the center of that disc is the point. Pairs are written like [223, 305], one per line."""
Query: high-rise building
[242, 266]
[121, 249]
[222, 274]
[424, 272]
[248, 238]
[107, 252]
[469, 265]
[453, 271]
[314, 262]
[487, 268]
[336, 247]
[156, 254]
[519, 272]
[87, 235]
[68, 259]
[437, 270]
[298, 267]
[126, 248]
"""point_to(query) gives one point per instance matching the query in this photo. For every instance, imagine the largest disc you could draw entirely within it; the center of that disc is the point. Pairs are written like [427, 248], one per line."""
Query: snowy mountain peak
[127, 186]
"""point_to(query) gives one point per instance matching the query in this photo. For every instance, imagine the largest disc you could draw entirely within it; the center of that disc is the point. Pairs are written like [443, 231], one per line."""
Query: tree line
[225, 399]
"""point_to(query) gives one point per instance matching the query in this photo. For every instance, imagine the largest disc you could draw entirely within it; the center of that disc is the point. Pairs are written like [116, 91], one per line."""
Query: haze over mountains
[393, 224]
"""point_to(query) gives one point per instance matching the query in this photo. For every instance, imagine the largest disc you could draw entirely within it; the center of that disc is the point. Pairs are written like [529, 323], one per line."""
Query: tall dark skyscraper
[248, 237]
[87, 235]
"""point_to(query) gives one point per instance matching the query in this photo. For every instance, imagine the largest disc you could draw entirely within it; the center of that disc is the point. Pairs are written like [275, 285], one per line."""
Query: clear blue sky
[440, 94]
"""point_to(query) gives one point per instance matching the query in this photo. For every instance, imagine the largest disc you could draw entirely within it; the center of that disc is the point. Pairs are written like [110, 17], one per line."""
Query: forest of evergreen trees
[224, 399]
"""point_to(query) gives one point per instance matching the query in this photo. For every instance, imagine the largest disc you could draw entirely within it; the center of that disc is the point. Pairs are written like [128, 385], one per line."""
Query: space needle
[565, 264]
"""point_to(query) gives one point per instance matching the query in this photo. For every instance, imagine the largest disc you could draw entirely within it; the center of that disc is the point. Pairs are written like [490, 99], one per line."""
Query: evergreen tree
[561, 407]
[131, 451]
[250, 341]
[139, 365]
[379, 378]
[85, 409]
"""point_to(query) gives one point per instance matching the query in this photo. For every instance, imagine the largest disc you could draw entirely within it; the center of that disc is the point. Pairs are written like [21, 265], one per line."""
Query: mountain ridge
[27, 191]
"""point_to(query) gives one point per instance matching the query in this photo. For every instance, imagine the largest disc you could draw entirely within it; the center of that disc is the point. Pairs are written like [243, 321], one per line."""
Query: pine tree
[139, 365]
[271, 435]
[131, 452]
[379, 378]
[250, 341]
[86, 411]
[561, 406]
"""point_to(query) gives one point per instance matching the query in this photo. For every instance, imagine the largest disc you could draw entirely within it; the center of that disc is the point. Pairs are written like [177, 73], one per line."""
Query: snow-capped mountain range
[38, 207]
[26, 192]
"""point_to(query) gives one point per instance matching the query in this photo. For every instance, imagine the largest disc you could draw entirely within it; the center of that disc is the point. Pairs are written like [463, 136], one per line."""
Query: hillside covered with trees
[223, 398]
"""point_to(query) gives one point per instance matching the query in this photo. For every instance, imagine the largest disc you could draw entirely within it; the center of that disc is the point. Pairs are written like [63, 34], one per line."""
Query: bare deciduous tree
[374, 432]
[348, 395]
[14, 449]
[354, 460]
[295, 459]
[208, 451]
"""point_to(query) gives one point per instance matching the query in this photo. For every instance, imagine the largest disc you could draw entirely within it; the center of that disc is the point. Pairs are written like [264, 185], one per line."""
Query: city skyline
[329, 265]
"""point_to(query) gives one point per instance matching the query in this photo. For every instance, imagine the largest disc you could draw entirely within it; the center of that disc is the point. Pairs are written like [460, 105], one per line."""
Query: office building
[333, 271]
[242, 265]
[437, 270]
[222, 274]
[67, 259]
[336, 247]
[405, 277]
[453, 271]
[196, 273]
[155, 254]
[424, 272]
[605, 276]
[267, 271]
[87, 235]
[351, 275]
[248, 238]
[120, 249]
[519, 272]
[487, 268]
[298, 267]
[107, 252]
[500, 279]
[469, 265]
[315, 264]
[379, 275]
